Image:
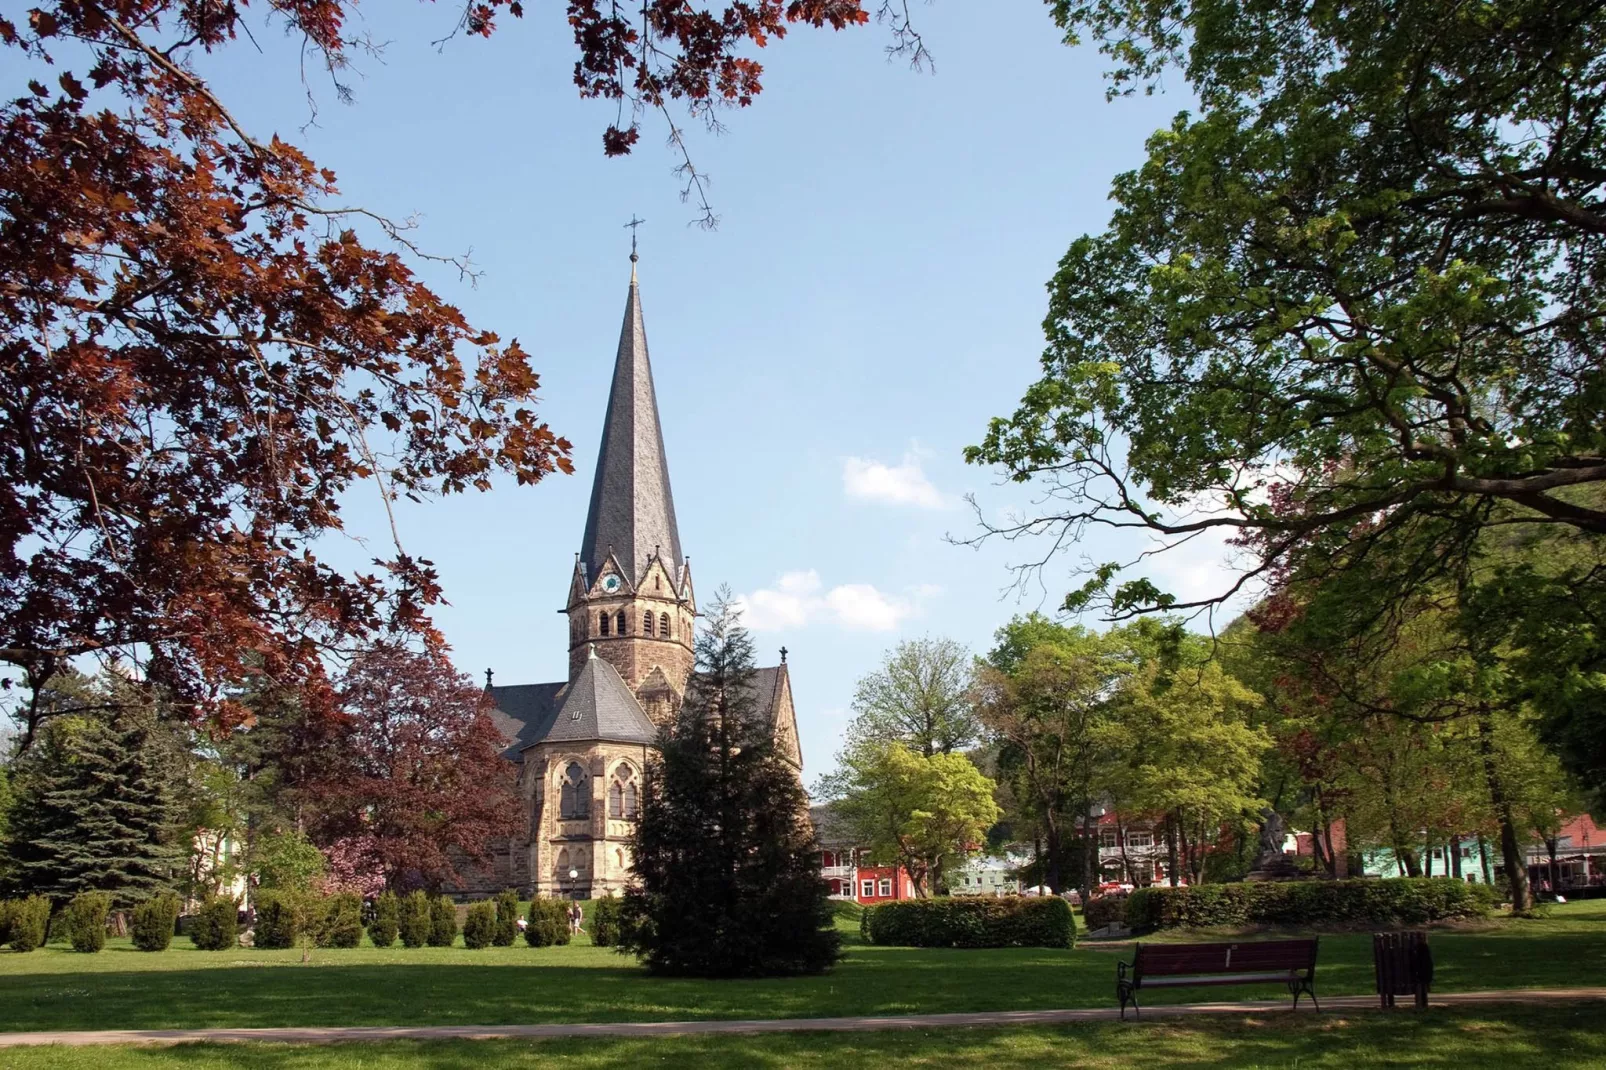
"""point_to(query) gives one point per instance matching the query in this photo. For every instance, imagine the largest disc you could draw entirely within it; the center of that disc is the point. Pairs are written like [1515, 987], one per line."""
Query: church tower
[631, 596]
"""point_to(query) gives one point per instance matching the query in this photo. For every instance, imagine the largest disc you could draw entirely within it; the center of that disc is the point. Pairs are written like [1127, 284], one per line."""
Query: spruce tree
[728, 881]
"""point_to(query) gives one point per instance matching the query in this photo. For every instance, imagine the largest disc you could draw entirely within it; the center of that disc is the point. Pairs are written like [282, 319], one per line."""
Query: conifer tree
[728, 874]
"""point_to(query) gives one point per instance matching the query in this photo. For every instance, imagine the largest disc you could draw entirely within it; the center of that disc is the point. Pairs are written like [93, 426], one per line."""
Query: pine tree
[728, 877]
[95, 810]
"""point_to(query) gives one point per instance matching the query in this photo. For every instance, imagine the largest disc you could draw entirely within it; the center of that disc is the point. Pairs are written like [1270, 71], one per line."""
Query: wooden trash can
[1404, 966]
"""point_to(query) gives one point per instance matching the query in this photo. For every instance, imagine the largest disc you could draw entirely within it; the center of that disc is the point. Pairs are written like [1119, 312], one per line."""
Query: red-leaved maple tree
[202, 349]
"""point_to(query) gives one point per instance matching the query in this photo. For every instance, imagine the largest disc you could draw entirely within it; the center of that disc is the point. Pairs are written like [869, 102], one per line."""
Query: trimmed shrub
[412, 919]
[153, 922]
[480, 927]
[548, 923]
[86, 920]
[278, 920]
[217, 926]
[341, 923]
[25, 922]
[507, 918]
[1105, 910]
[387, 912]
[607, 918]
[1395, 901]
[442, 922]
[1012, 921]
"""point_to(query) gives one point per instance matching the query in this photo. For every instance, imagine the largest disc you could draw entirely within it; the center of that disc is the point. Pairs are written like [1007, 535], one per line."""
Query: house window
[602, 624]
[574, 801]
[623, 799]
[621, 622]
[1107, 838]
[1140, 839]
[867, 889]
[663, 625]
[886, 886]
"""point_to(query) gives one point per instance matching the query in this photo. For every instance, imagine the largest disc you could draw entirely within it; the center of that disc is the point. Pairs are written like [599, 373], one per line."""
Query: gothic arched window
[623, 799]
[602, 624]
[621, 622]
[574, 801]
[646, 623]
[663, 625]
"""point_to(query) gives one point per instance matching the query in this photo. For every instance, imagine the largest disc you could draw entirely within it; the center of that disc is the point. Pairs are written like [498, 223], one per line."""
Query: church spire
[632, 510]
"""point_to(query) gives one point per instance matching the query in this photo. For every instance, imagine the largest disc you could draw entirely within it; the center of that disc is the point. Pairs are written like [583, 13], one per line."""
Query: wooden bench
[1290, 962]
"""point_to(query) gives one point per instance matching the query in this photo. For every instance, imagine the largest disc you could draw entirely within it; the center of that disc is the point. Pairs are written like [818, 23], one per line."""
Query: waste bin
[1404, 966]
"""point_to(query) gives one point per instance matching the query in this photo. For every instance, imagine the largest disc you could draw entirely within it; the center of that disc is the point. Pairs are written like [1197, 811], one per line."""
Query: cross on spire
[633, 224]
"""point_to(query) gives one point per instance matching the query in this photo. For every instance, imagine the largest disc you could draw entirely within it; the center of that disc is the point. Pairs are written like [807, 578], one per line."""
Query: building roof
[829, 827]
[524, 712]
[600, 705]
[632, 512]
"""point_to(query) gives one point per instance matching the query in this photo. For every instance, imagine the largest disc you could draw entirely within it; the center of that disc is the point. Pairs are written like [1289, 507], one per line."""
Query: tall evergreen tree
[95, 809]
[728, 874]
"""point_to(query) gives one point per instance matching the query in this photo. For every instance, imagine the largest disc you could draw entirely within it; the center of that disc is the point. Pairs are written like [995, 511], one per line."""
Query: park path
[348, 1034]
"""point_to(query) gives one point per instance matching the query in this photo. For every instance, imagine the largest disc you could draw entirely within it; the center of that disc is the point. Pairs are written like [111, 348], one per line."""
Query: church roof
[632, 512]
[524, 712]
[600, 705]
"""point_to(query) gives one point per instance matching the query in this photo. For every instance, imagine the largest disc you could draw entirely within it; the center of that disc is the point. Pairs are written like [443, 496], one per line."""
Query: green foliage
[480, 927]
[1399, 901]
[1104, 910]
[24, 922]
[846, 908]
[919, 697]
[153, 922]
[972, 921]
[279, 919]
[507, 918]
[340, 924]
[287, 861]
[413, 919]
[442, 922]
[547, 924]
[85, 919]
[383, 929]
[215, 927]
[607, 919]
[727, 868]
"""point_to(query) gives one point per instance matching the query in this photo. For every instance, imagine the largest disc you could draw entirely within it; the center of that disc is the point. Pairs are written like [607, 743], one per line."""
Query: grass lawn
[1497, 1037]
[56, 988]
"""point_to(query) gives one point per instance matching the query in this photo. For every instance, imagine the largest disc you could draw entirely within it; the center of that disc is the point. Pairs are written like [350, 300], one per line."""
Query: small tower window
[602, 624]
[663, 625]
[623, 799]
[621, 622]
[646, 623]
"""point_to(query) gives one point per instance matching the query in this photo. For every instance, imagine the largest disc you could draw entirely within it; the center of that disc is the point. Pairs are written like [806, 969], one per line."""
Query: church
[582, 743]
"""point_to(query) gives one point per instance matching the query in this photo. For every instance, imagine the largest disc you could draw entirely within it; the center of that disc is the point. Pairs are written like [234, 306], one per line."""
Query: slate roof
[632, 511]
[600, 705]
[524, 712]
[829, 827]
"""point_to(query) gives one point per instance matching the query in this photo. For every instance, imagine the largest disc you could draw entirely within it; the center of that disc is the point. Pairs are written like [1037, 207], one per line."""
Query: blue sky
[873, 295]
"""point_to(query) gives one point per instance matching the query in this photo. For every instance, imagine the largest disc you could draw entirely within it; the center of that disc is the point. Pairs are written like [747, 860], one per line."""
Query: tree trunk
[1483, 857]
[1090, 854]
[1555, 871]
[1171, 849]
[1455, 857]
[1427, 856]
[1051, 876]
[1510, 846]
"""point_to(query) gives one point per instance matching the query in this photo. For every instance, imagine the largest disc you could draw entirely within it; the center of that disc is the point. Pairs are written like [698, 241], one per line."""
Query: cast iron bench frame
[1292, 962]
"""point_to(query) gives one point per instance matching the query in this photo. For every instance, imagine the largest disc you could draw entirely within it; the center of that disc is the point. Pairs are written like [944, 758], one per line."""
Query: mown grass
[56, 988]
[1565, 1037]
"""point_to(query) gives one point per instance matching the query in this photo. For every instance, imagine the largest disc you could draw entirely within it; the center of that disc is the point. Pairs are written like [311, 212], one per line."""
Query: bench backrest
[1254, 956]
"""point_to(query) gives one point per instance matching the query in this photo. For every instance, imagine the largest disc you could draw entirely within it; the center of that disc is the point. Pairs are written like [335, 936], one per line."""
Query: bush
[216, 927]
[442, 922]
[278, 920]
[1012, 921]
[341, 923]
[547, 923]
[1105, 910]
[480, 928]
[86, 920]
[412, 919]
[387, 912]
[607, 922]
[507, 919]
[1395, 901]
[153, 922]
[24, 922]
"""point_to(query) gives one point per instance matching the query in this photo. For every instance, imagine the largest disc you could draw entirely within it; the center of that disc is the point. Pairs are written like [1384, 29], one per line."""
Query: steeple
[632, 511]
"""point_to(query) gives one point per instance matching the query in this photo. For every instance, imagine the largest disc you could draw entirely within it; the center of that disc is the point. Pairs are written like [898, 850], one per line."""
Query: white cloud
[799, 599]
[903, 484]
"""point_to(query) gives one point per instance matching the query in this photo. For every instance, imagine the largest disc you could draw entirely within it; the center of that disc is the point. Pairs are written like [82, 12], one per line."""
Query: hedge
[86, 920]
[507, 918]
[412, 919]
[548, 923]
[442, 922]
[1395, 901]
[24, 922]
[1105, 910]
[341, 923]
[278, 924]
[216, 927]
[606, 922]
[153, 922]
[383, 929]
[479, 928]
[1012, 921]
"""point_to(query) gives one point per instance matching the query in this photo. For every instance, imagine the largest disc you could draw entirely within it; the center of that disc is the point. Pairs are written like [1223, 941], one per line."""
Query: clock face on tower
[610, 583]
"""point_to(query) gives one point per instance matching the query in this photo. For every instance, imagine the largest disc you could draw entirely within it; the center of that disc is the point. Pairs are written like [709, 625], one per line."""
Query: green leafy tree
[286, 860]
[920, 697]
[726, 866]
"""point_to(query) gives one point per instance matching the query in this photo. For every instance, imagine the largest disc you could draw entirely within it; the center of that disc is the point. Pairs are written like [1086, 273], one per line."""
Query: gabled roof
[600, 705]
[632, 511]
[524, 712]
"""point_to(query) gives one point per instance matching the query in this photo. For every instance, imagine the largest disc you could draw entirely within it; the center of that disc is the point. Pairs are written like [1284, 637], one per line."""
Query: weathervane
[633, 224]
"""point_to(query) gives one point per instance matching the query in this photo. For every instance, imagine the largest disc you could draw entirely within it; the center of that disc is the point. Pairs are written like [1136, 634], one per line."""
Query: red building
[845, 865]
